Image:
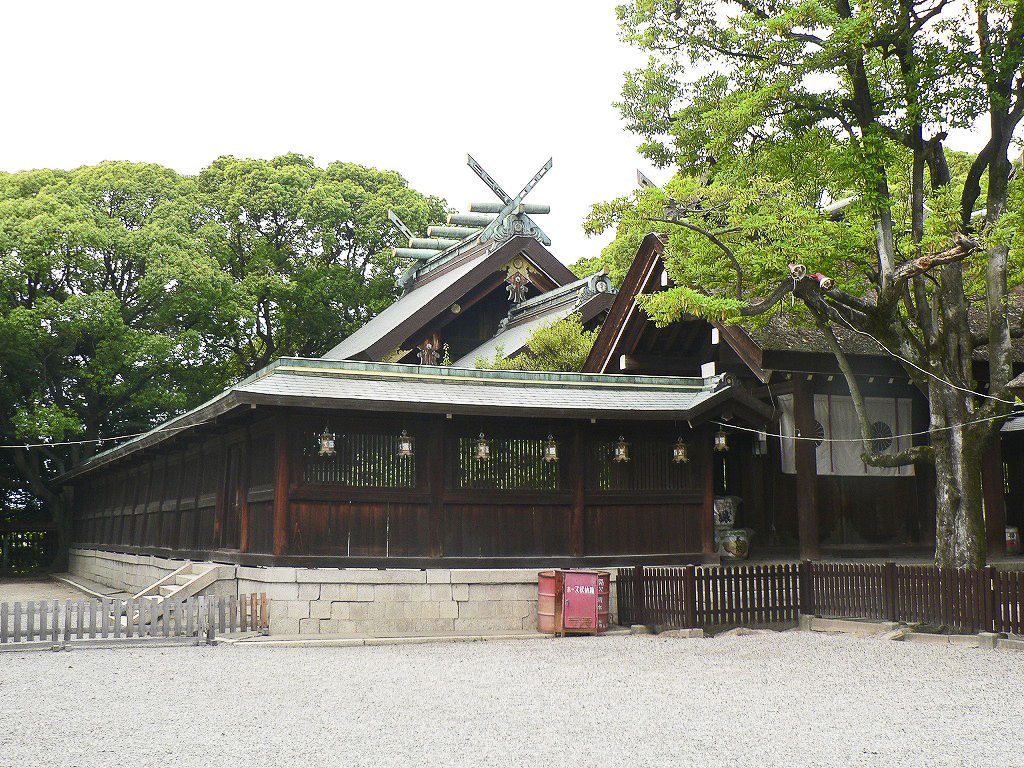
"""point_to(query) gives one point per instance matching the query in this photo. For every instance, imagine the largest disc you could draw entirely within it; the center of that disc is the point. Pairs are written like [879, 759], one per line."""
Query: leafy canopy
[559, 345]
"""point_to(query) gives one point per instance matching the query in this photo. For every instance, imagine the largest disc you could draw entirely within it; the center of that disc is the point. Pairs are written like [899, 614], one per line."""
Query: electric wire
[737, 428]
[922, 370]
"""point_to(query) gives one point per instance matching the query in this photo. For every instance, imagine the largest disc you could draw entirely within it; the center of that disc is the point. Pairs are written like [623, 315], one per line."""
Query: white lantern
[680, 452]
[405, 445]
[621, 450]
[327, 443]
[721, 440]
[550, 449]
[483, 448]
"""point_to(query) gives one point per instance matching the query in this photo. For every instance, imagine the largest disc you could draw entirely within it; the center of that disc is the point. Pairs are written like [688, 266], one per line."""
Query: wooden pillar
[436, 445]
[705, 439]
[577, 468]
[242, 494]
[219, 500]
[995, 499]
[159, 533]
[806, 469]
[281, 479]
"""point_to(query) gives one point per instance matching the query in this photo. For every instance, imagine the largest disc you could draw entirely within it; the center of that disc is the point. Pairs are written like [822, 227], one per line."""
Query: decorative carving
[429, 350]
[518, 279]
[514, 226]
[511, 219]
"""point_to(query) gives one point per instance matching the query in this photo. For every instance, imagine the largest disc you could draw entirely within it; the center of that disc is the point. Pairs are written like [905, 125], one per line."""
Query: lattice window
[650, 467]
[515, 464]
[360, 460]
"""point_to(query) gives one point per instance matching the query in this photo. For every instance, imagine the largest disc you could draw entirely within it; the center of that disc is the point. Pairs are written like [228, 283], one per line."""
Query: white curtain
[837, 421]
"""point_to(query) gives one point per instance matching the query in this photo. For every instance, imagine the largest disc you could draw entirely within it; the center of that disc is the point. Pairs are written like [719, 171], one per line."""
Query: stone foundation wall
[363, 602]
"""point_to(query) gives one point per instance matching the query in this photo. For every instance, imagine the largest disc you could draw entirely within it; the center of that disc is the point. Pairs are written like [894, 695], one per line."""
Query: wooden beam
[577, 466]
[705, 438]
[224, 452]
[995, 499]
[436, 445]
[242, 493]
[281, 478]
[806, 470]
[648, 361]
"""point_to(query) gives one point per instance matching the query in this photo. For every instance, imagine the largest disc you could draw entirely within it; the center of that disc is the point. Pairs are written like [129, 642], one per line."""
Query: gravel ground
[20, 590]
[788, 699]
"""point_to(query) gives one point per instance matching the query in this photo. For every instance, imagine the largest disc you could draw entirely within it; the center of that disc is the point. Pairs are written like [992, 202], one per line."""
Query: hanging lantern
[621, 451]
[721, 440]
[550, 449]
[680, 452]
[327, 443]
[483, 448]
[405, 445]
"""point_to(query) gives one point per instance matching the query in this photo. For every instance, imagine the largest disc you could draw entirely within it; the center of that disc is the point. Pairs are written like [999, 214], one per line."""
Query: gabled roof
[317, 383]
[433, 292]
[589, 296]
[757, 344]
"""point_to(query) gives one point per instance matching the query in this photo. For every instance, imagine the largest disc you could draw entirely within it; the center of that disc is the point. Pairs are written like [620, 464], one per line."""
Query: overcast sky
[411, 86]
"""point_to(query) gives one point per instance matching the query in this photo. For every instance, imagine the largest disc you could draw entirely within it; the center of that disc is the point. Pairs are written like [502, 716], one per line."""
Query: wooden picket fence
[961, 600]
[202, 617]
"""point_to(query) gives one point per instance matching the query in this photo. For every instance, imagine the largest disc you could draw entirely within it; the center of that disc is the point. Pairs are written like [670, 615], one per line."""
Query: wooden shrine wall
[217, 495]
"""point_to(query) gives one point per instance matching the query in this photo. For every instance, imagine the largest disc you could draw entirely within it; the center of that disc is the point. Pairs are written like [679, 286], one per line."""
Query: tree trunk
[959, 519]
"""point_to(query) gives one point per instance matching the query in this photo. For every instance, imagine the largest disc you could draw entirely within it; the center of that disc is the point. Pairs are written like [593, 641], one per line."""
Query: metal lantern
[550, 449]
[721, 440]
[405, 445]
[680, 452]
[621, 451]
[483, 448]
[327, 442]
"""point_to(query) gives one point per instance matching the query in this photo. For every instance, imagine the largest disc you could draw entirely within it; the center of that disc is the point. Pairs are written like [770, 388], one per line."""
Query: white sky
[410, 86]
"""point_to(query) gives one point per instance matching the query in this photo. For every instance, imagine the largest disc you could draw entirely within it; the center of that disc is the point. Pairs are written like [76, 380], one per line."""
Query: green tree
[308, 250]
[560, 345]
[104, 287]
[814, 133]
[129, 293]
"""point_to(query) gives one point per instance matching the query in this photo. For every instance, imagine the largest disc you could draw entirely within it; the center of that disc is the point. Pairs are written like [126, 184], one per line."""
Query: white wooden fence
[202, 617]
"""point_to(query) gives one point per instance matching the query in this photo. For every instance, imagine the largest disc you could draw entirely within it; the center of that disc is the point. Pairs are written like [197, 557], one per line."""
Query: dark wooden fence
[961, 600]
[202, 617]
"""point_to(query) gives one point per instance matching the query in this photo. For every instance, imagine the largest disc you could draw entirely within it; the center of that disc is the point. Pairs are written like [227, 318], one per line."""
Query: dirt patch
[22, 590]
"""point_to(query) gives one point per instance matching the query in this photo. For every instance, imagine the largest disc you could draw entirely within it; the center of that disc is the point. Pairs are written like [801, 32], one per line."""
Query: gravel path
[20, 590]
[791, 699]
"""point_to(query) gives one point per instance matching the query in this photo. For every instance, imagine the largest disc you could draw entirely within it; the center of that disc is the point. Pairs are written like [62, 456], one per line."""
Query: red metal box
[573, 601]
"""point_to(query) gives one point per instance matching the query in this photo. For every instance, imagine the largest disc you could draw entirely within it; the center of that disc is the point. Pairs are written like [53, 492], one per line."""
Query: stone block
[283, 625]
[358, 611]
[294, 609]
[365, 592]
[346, 592]
[440, 592]
[495, 576]
[478, 610]
[448, 610]
[384, 592]
[423, 610]
[460, 592]
[439, 576]
[386, 576]
[309, 591]
[321, 609]
[274, 591]
[339, 627]
[338, 610]
[322, 575]
[275, 573]
[309, 626]
[407, 593]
